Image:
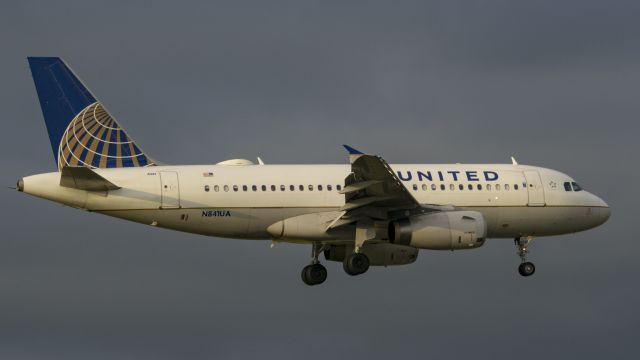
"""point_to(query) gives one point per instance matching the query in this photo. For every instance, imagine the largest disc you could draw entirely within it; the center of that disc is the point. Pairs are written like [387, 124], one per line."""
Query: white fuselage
[243, 201]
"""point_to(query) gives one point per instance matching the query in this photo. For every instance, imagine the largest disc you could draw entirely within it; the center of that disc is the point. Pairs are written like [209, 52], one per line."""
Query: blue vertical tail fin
[81, 131]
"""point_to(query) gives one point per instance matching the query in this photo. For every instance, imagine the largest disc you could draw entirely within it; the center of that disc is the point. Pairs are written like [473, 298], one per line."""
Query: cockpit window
[567, 186]
[576, 187]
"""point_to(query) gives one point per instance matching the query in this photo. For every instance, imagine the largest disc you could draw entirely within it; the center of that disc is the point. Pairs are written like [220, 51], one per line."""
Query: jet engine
[379, 254]
[443, 230]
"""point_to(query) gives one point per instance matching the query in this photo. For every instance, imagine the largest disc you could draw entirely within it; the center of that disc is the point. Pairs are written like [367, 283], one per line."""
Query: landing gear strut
[526, 268]
[357, 263]
[314, 273]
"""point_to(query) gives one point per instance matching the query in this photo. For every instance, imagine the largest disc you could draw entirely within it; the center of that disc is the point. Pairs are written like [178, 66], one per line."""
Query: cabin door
[170, 190]
[534, 188]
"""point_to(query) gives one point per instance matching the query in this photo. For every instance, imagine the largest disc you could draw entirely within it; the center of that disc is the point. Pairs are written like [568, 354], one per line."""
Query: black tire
[356, 264]
[526, 269]
[314, 274]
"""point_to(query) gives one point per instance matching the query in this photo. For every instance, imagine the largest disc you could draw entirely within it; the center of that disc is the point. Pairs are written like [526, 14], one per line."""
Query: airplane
[364, 213]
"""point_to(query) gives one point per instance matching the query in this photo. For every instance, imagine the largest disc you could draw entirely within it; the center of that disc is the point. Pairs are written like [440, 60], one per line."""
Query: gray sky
[554, 83]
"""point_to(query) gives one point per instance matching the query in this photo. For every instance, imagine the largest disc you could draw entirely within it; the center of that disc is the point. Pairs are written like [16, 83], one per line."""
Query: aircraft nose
[605, 213]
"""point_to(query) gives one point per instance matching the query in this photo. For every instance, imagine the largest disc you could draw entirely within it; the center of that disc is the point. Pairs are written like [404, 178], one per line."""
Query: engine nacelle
[311, 227]
[379, 254]
[444, 230]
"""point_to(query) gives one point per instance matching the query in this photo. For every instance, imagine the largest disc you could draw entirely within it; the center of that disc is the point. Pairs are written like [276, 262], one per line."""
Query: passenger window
[515, 186]
[216, 188]
[479, 186]
[292, 187]
[489, 187]
[339, 187]
[497, 187]
[226, 188]
[264, 187]
[452, 187]
[424, 187]
[235, 188]
[283, 188]
[329, 188]
[576, 187]
[470, 187]
[310, 187]
[319, 187]
[415, 187]
[254, 188]
[433, 186]
[461, 187]
[301, 187]
[273, 188]
[206, 188]
[244, 187]
[506, 187]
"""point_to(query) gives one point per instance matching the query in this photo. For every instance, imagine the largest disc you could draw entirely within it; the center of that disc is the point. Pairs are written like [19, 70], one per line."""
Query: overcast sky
[554, 83]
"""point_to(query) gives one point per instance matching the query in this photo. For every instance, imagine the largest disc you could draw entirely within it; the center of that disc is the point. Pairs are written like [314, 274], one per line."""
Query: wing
[373, 191]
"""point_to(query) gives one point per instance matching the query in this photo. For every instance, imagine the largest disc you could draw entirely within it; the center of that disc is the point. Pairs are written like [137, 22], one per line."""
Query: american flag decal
[207, 174]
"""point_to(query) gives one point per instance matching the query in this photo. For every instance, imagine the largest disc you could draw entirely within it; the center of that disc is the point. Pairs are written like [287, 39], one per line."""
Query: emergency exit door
[169, 190]
[534, 188]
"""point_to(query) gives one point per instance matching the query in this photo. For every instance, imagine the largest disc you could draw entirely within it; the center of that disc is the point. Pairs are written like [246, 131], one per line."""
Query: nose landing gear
[526, 268]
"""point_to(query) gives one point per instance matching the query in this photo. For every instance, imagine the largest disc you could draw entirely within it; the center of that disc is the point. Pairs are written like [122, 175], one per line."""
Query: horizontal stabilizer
[83, 178]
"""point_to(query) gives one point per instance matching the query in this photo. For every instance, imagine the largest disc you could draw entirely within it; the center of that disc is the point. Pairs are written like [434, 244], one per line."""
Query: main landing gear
[356, 264]
[526, 268]
[314, 273]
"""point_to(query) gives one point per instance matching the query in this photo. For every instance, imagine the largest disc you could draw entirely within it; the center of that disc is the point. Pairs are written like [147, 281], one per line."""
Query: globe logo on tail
[94, 139]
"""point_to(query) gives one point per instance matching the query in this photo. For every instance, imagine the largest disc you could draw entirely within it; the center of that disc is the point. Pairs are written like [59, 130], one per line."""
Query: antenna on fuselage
[513, 161]
[260, 161]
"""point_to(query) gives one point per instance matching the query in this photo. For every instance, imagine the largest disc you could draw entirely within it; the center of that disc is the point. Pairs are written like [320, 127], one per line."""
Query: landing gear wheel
[526, 269]
[356, 264]
[314, 274]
